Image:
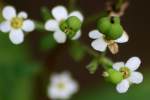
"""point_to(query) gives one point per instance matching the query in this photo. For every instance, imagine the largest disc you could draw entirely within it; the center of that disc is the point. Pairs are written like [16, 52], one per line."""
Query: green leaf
[76, 51]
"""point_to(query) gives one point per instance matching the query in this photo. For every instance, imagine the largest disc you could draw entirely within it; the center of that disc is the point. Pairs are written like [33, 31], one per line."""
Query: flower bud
[74, 23]
[114, 76]
[104, 25]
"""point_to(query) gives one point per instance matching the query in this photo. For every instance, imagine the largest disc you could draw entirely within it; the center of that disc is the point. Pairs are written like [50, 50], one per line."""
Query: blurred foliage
[77, 51]
[48, 42]
[17, 71]
[1, 5]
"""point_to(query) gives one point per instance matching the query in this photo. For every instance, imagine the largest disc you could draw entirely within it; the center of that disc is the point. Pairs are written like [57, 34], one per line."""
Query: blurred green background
[25, 69]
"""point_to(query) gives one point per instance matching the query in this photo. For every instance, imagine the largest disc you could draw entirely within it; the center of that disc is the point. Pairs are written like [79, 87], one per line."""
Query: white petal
[123, 86]
[99, 44]
[118, 65]
[51, 25]
[52, 92]
[124, 38]
[73, 86]
[28, 25]
[16, 36]
[136, 77]
[9, 12]
[60, 37]
[133, 63]
[59, 13]
[5, 26]
[77, 14]
[77, 36]
[95, 34]
[23, 15]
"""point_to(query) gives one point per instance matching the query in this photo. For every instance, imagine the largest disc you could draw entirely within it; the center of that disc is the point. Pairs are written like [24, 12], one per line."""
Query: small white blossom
[60, 14]
[62, 86]
[100, 43]
[16, 24]
[130, 75]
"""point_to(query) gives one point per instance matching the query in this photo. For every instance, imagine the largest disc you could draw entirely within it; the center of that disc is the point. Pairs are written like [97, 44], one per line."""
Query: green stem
[39, 26]
[89, 50]
[71, 5]
[119, 4]
[105, 62]
[102, 59]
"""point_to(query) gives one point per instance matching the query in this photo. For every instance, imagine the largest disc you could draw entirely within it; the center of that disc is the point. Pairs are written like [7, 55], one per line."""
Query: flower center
[66, 29]
[16, 22]
[125, 71]
[61, 86]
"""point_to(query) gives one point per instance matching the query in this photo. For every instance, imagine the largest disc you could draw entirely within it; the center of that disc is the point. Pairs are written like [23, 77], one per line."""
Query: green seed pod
[114, 76]
[115, 31]
[116, 20]
[63, 26]
[71, 34]
[104, 24]
[74, 23]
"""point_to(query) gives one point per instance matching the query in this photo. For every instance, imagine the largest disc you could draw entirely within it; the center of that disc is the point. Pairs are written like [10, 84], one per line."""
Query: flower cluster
[67, 25]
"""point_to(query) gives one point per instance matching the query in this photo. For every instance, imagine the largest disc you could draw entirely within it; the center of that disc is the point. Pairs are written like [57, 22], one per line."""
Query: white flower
[100, 43]
[131, 76]
[60, 14]
[62, 86]
[16, 24]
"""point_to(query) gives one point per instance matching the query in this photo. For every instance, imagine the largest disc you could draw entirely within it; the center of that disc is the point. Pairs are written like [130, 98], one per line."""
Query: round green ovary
[114, 76]
[67, 29]
[104, 25]
[74, 23]
[115, 31]
[16, 23]
[116, 20]
[110, 27]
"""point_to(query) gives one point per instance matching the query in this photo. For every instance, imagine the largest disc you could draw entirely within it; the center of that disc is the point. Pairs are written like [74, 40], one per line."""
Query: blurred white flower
[130, 75]
[100, 43]
[16, 24]
[62, 86]
[60, 14]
